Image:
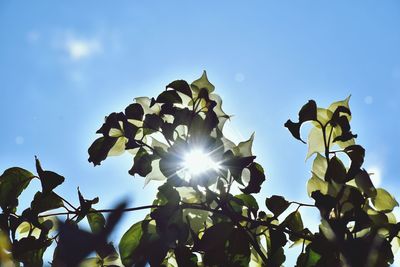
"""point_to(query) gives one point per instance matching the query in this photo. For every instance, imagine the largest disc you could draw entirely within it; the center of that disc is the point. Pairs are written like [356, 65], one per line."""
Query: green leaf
[384, 201]
[238, 248]
[308, 259]
[243, 149]
[319, 166]
[249, 201]
[96, 221]
[336, 171]
[201, 83]
[49, 179]
[215, 236]
[294, 222]
[316, 184]
[276, 204]
[12, 182]
[46, 201]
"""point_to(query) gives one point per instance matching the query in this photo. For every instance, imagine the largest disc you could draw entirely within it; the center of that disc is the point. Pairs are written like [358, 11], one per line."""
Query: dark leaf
[257, 177]
[307, 113]
[49, 179]
[184, 257]
[98, 151]
[153, 122]
[134, 111]
[336, 171]
[181, 86]
[364, 182]
[46, 201]
[169, 96]
[276, 204]
[141, 163]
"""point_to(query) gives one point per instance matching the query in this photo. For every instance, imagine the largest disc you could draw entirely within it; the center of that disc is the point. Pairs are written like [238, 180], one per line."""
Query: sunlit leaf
[12, 182]
[201, 83]
[384, 201]
[96, 221]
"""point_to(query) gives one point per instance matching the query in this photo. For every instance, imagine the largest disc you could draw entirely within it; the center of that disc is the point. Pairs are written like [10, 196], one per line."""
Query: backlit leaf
[384, 201]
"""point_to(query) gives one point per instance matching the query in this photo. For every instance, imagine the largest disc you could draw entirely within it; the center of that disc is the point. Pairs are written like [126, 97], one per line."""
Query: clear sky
[64, 66]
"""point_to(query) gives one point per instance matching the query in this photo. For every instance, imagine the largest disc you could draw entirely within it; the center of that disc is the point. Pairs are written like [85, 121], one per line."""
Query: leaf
[238, 248]
[276, 204]
[181, 86]
[201, 83]
[184, 257]
[308, 259]
[384, 201]
[215, 236]
[96, 221]
[12, 182]
[294, 222]
[307, 113]
[336, 171]
[134, 112]
[257, 177]
[169, 96]
[363, 181]
[248, 201]
[46, 201]
[49, 179]
[316, 141]
[316, 184]
[141, 163]
[98, 151]
[243, 149]
[319, 166]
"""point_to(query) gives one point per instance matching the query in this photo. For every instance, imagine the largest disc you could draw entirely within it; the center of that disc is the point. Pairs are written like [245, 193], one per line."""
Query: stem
[301, 204]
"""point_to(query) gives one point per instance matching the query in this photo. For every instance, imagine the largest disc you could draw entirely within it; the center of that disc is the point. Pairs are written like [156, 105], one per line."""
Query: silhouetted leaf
[141, 163]
[134, 112]
[46, 201]
[49, 179]
[184, 257]
[364, 182]
[276, 204]
[181, 86]
[98, 151]
[336, 171]
[307, 113]
[257, 177]
[169, 96]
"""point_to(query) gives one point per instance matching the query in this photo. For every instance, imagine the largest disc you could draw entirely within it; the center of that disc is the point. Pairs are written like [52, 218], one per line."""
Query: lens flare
[196, 162]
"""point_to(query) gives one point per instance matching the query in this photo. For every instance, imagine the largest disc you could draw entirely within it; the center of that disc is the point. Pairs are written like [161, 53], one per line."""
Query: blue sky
[63, 67]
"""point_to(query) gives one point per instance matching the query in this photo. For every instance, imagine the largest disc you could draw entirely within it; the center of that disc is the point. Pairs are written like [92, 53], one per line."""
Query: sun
[196, 162]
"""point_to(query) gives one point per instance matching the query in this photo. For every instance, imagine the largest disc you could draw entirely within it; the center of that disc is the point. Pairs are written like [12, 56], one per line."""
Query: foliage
[196, 219]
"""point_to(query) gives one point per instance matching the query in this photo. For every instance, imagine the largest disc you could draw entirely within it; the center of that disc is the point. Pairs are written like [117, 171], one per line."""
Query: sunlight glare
[196, 162]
